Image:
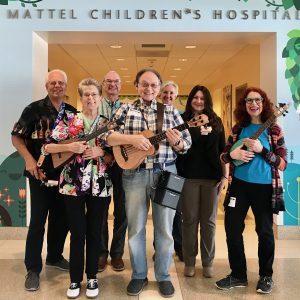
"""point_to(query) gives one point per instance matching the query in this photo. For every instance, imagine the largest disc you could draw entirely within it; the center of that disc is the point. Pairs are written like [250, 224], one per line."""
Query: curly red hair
[241, 115]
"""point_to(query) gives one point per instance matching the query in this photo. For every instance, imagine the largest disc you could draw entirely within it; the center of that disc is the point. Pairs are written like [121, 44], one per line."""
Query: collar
[153, 104]
[115, 104]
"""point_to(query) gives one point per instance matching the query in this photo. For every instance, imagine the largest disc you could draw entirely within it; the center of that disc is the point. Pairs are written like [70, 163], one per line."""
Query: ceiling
[89, 54]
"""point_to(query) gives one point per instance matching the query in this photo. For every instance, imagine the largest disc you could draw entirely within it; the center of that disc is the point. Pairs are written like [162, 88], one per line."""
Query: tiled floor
[113, 285]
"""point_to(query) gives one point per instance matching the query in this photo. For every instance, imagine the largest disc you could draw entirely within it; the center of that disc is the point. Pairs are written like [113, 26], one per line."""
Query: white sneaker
[92, 289]
[74, 290]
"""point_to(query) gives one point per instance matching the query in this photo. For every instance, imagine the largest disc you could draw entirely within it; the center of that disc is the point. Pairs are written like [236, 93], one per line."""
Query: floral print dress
[80, 176]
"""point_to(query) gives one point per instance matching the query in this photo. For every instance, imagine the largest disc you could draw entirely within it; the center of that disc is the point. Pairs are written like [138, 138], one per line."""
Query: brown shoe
[117, 264]
[208, 272]
[102, 263]
[189, 271]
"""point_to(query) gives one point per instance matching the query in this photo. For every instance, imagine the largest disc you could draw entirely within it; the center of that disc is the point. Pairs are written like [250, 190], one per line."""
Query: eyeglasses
[94, 95]
[144, 84]
[257, 100]
[109, 81]
[55, 82]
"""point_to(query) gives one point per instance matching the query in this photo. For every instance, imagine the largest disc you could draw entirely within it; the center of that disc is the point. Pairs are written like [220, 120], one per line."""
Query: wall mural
[286, 4]
[12, 191]
[291, 53]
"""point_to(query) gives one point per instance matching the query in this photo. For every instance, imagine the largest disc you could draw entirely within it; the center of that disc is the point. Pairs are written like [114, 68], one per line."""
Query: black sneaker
[230, 282]
[62, 264]
[136, 286]
[74, 290]
[166, 289]
[92, 289]
[32, 281]
[264, 285]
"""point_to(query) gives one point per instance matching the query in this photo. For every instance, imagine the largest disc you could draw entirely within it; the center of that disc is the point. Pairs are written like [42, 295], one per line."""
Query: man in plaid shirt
[139, 184]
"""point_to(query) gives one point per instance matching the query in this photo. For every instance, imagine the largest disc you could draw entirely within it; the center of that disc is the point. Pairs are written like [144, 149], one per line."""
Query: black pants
[45, 201]
[120, 220]
[258, 197]
[85, 214]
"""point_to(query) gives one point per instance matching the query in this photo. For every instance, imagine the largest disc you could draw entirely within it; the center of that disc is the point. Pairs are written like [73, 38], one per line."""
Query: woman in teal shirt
[253, 182]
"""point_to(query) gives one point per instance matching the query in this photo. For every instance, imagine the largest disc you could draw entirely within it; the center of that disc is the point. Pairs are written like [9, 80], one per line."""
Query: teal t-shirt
[257, 170]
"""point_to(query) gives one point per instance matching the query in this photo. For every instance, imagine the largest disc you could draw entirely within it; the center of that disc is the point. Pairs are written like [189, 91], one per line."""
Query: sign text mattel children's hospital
[274, 10]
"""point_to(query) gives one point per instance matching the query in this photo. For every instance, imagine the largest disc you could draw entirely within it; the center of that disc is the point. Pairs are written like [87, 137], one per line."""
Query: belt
[155, 165]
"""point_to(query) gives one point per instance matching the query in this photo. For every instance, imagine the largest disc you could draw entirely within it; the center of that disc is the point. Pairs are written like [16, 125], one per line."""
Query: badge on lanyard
[205, 130]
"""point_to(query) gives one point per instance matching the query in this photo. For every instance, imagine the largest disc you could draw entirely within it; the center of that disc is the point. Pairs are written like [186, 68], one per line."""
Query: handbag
[168, 190]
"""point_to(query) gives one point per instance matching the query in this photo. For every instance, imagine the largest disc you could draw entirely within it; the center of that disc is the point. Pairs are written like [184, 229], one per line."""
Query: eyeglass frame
[257, 100]
[54, 82]
[94, 95]
[110, 81]
[147, 85]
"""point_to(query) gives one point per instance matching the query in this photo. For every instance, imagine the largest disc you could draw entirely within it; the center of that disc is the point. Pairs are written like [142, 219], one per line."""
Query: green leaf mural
[291, 53]
[286, 4]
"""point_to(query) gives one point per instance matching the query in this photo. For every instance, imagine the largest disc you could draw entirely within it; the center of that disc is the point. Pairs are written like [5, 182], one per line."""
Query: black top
[34, 126]
[202, 161]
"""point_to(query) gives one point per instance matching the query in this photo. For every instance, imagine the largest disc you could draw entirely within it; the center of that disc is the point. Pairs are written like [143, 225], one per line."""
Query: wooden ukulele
[61, 158]
[128, 157]
[281, 110]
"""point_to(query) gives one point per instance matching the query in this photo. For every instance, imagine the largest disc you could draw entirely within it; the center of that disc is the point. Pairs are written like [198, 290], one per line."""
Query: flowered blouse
[81, 176]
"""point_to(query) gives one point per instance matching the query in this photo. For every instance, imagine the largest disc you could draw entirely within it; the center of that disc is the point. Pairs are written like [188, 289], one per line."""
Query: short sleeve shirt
[34, 126]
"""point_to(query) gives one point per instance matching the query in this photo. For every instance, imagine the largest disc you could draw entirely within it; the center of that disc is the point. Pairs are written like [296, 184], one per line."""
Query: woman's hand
[253, 145]
[221, 185]
[93, 152]
[77, 147]
[243, 155]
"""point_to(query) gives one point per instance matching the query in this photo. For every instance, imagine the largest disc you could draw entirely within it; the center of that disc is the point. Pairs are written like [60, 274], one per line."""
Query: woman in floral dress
[84, 182]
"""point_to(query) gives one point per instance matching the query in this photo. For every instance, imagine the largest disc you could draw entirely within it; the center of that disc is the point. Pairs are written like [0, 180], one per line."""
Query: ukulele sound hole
[124, 153]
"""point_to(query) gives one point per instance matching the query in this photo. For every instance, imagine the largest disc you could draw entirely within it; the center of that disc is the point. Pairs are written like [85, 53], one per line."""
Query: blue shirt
[257, 170]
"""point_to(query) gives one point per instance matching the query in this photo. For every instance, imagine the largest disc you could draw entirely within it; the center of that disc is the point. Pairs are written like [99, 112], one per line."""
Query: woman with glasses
[85, 184]
[205, 179]
[253, 182]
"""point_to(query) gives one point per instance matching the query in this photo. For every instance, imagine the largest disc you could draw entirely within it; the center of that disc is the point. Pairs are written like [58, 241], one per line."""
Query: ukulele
[61, 158]
[128, 157]
[281, 110]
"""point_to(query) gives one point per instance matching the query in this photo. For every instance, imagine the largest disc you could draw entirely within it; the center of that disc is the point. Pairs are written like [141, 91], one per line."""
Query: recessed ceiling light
[115, 46]
[120, 59]
[128, 81]
[182, 59]
[177, 69]
[124, 69]
[173, 76]
[190, 47]
[126, 76]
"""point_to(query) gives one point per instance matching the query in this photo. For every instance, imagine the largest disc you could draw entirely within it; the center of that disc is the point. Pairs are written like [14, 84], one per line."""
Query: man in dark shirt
[28, 136]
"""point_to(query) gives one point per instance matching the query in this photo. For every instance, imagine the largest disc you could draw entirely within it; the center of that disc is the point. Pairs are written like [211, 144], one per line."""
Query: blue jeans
[138, 186]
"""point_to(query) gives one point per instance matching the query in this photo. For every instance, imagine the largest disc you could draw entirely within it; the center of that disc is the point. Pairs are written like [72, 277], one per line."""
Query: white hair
[57, 71]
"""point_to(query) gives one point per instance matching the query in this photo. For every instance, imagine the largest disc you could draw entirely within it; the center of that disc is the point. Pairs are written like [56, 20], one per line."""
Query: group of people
[88, 180]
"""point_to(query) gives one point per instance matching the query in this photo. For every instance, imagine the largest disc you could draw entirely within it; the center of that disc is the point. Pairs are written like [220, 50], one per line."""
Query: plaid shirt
[138, 117]
[276, 157]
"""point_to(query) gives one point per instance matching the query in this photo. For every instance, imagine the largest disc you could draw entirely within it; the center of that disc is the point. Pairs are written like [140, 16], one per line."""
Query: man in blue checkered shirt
[139, 183]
